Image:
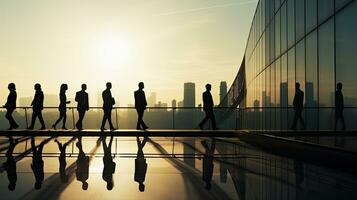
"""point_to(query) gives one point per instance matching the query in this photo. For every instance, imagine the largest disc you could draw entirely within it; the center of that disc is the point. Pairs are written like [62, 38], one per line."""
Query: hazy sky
[161, 42]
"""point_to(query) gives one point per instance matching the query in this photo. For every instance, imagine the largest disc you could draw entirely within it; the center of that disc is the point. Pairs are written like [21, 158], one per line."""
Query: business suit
[37, 107]
[10, 107]
[62, 108]
[140, 106]
[82, 107]
[208, 108]
[108, 102]
[298, 107]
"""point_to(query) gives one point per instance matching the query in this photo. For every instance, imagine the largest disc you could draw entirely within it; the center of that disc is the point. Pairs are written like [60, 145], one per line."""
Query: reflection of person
[109, 164]
[298, 107]
[37, 162]
[82, 171]
[208, 107]
[207, 168]
[62, 108]
[339, 107]
[82, 106]
[10, 164]
[62, 160]
[140, 164]
[37, 106]
[108, 102]
[11, 106]
[140, 105]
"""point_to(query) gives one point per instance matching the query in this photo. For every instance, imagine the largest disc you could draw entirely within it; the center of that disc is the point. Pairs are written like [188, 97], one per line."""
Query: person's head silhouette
[38, 185]
[11, 87]
[110, 185]
[141, 187]
[84, 87]
[109, 85]
[37, 87]
[208, 87]
[141, 85]
[84, 185]
[297, 85]
[339, 86]
[11, 186]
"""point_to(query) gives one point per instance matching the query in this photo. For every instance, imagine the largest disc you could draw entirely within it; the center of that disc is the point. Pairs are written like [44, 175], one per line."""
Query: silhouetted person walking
[339, 107]
[11, 106]
[37, 162]
[140, 164]
[82, 171]
[82, 106]
[108, 103]
[298, 107]
[62, 108]
[62, 160]
[109, 164]
[140, 106]
[207, 164]
[10, 164]
[37, 107]
[208, 107]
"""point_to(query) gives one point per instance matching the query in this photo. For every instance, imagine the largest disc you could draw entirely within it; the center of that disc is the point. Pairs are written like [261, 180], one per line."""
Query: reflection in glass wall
[311, 42]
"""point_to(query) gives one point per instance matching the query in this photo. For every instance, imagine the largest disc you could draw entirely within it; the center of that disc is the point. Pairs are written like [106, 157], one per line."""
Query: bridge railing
[126, 117]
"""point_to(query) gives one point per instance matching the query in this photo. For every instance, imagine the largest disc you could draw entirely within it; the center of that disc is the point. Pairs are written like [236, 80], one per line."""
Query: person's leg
[142, 120]
[302, 120]
[293, 126]
[58, 120]
[105, 117]
[343, 122]
[80, 119]
[138, 121]
[9, 117]
[33, 120]
[204, 119]
[213, 120]
[109, 117]
[64, 114]
[41, 120]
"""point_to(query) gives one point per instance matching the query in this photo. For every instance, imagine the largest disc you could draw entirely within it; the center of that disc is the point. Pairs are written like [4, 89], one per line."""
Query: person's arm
[76, 98]
[145, 103]
[87, 101]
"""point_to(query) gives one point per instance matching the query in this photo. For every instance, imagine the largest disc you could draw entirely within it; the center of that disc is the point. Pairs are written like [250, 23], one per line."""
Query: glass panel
[284, 90]
[300, 64]
[277, 34]
[311, 82]
[300, 19]
[277, 93]
[340, 3]
[291, 75]
[283, 28]
[326, 9]
[291, 22]
[326, 74]
[311, 15]
[346, 60]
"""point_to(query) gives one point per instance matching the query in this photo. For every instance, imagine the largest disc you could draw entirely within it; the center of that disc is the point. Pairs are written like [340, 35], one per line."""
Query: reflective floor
[159, 168]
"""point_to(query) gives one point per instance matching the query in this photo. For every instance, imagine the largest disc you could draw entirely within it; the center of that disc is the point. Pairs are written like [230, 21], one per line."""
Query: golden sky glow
[161, 42]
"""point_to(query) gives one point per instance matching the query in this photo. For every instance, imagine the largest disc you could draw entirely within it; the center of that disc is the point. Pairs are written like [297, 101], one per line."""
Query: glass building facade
[313, 42]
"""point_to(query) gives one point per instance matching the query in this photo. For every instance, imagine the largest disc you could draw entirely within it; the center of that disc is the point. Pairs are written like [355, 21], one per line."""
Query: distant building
[189, 95]
[173, 103]
[152, 99]
[51, 100]
[180, 104]
[223, 93]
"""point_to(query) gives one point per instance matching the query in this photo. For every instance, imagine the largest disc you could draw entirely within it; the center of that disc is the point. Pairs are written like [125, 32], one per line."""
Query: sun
[113, 51]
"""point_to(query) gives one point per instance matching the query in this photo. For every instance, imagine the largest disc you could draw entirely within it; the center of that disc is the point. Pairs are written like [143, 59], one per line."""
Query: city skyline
[66, 42]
